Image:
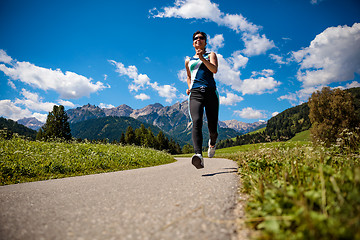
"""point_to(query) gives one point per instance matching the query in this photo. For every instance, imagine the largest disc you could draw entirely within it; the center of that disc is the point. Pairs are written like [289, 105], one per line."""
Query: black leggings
[198, 100]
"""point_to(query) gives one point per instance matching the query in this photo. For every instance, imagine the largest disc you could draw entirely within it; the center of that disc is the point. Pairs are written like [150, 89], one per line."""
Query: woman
[202, 94]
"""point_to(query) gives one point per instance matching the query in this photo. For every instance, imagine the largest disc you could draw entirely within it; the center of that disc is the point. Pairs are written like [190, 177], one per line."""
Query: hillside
[14, 127]
[285, 125]
[107, 128]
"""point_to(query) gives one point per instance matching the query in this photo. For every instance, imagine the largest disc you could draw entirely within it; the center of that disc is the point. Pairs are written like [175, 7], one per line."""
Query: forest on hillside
[285, 125]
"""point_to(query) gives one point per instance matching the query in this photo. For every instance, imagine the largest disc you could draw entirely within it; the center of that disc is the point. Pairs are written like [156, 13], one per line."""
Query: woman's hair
[202, 33]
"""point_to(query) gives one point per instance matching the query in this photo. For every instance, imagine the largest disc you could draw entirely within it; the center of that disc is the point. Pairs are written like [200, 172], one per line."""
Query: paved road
[173, 201]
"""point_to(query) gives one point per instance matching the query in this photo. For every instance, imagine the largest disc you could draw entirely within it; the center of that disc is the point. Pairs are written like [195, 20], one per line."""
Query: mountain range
[173, 120]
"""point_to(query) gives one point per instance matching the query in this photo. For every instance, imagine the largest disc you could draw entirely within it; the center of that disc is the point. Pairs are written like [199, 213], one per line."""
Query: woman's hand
[187, 91]
[200, 52]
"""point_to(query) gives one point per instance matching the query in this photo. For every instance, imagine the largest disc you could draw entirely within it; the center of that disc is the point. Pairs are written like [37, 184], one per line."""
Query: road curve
[172, 201]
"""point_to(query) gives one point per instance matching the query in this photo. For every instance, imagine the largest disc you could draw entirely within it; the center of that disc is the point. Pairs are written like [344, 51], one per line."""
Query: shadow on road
[234, 170]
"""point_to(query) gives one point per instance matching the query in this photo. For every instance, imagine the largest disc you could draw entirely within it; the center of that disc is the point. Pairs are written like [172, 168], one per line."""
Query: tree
[130, 137]
[162, 141]
[56, 126]
[332, 112]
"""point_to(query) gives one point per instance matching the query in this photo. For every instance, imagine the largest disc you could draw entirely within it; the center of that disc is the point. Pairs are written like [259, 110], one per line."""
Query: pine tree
[130, 137]
[162, 141]
[56, 126]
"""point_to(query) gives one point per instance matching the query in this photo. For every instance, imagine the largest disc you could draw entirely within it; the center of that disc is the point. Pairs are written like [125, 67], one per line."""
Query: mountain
[107, 128]
[85, 112]
[242, 127]
[173, 120]
[14, 127]
[31, 123]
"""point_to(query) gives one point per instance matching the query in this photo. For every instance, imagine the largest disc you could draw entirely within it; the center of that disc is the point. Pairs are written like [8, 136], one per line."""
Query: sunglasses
[199, 37]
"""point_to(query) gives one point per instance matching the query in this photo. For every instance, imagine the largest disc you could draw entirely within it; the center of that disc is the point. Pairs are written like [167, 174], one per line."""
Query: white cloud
[103, 105]
[238, 23]
[274, 114]
[256, 44]
[238, 60]
[250, 113]
[205, 9]
[182, 75]
[190, 9]
[265, 83]
[41, 117]
[300, 96]
[166, 91]
[228, 71]
[11, 84]
[66, 103]
[333, 56]
[142, 96]
[278, 59]
[4, 58]
[216, 42]
[34, 102]
[354, 84]
[9, 110]
[68, 85]
[230, 99]
[142, 82]
[229, 74]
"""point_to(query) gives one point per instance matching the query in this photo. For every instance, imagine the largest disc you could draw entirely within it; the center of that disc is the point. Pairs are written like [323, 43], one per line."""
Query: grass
[301, 136]
[298, 191]
[25, 161]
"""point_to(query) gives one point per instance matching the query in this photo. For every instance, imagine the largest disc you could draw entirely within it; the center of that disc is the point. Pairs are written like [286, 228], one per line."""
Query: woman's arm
[188, 74]
[212, 65]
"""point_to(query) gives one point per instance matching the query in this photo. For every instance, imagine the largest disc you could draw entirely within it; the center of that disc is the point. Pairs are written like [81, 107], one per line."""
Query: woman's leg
[212, 115]
[196, 113]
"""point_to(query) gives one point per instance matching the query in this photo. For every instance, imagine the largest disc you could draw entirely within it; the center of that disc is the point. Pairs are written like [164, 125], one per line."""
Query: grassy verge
[298, 191]
[24, 161]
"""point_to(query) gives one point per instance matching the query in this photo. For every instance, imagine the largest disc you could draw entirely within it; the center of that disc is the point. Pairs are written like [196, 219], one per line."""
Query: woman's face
[199, 41]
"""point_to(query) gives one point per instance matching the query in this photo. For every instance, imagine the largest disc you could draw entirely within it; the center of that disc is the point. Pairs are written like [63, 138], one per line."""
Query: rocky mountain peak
[31, 123]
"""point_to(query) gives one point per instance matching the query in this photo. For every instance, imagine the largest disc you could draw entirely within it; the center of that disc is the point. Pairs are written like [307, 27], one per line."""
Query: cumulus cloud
[333, 56]
[69, 85]
[142, 82]
[182, 75]
[229, 69]
[166, 91]
[142, 96]
[216, 42]
[66, 103]
[259, 83]
[4, 58]
[104, 105]
[229, 74]
[354, 84]
[230, 99]
[278, 59]
[300, 96]
[10, 110]
[250, 113]
[255, 43]
[34, 102]
[274, 114]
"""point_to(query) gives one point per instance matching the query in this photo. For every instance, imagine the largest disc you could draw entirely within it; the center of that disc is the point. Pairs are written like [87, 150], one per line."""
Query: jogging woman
[202, 94]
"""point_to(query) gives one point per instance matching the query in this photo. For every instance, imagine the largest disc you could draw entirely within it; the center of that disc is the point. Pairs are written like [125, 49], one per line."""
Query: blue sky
[272, 53]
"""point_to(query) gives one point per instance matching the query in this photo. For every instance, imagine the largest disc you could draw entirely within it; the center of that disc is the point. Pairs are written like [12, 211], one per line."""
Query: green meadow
[24, 161]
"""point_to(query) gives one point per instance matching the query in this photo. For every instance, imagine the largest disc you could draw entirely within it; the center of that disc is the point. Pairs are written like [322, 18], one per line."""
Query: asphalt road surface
[172, 201]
